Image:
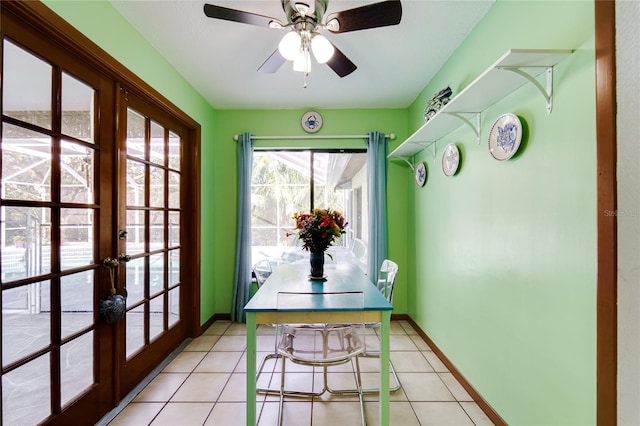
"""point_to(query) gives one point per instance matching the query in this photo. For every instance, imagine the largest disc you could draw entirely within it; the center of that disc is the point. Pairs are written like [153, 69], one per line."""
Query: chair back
[321, 344]
[387, 278]
[262, 270]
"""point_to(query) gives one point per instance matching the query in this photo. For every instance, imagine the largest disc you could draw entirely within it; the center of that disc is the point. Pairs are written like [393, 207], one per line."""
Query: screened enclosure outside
[285, 182]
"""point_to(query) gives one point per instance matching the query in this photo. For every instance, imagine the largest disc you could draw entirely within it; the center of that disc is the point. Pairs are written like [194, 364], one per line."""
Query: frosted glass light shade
[290, 45]
[322, 48]
[302, 61]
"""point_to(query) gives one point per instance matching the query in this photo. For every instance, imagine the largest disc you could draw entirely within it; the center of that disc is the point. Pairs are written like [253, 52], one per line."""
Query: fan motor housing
[294, 8]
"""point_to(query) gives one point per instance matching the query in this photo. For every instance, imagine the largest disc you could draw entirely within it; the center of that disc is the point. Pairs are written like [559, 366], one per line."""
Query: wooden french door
[150, 214]
[91, 199]
[57, 216]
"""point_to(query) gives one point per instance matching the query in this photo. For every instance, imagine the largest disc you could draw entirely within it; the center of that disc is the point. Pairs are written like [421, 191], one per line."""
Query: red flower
[320, 229]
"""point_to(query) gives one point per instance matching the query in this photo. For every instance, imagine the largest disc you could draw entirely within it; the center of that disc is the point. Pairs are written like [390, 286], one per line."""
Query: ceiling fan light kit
[305, 20]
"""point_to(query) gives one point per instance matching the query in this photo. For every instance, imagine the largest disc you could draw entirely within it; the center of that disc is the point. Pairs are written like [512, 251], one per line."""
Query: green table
[263, 309]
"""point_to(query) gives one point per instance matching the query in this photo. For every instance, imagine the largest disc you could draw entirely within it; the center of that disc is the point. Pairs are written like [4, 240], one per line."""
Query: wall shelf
[514, 69]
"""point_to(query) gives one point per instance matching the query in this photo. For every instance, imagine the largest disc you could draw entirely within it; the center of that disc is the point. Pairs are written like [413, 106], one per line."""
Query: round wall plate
[421, 173]
[505, 137]
[450, 160]
[311, 121]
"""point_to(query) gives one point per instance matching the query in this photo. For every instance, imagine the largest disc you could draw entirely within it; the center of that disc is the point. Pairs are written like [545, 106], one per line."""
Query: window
[285, 182]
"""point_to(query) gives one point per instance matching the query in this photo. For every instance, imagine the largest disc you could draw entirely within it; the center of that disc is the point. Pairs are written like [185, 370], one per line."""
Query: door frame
[34, 20]
[606, 152]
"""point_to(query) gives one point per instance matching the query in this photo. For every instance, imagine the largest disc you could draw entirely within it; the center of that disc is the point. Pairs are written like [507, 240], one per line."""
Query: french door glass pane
[135, 330]
[156, 272]
[174, 306]
[28, 100]
[76, 237]
[174, 229]
[76, 298]
[175, 151]
[174, 190]
[156, 230]
[26, 250]
[26, 393]
[174, 267]
[157, 186]
[76, 367]
[136, 189]
[156, 316]
[156, 144]
[136, 223]
[135, 280]
[77, 171]
[135, 135]
[26, 164]
[26, 320]
[77, 109]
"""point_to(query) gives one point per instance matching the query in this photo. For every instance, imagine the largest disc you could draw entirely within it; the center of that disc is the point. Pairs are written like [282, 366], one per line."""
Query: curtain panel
[377, 184]
[242, 276]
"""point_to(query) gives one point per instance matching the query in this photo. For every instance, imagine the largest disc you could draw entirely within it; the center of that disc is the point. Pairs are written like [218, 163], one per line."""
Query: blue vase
[317, 264]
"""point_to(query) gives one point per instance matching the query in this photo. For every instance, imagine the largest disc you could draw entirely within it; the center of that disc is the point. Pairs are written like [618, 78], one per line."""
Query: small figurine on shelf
[439, 100]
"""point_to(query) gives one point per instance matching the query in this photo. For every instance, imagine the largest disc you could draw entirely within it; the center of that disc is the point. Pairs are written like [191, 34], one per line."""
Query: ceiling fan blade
[219, 12]
[273, 63]
[341, 64]
[374, 15]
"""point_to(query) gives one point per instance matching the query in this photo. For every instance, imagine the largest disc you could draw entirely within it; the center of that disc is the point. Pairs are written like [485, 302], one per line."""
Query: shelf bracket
[411, 166]
[434, 145]
[546, 92]
[474, 127]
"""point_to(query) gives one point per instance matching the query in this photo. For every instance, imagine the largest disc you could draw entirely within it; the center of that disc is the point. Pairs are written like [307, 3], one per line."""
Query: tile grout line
[143, 384]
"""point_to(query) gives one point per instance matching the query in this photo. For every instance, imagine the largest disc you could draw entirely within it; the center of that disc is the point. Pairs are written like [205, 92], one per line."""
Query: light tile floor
[205, 385]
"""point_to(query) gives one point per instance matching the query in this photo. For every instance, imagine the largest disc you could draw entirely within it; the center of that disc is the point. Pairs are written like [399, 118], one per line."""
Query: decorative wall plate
[311, 121]
[450, 160]
[421, 174]
[505, 137]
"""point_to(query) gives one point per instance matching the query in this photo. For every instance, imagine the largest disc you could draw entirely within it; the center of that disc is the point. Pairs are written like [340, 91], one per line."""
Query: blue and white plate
[450, 160]
[420, 173]
[505, 137]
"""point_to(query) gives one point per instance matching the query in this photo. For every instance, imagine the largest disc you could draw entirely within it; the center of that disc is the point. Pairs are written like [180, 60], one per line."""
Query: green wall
[504, 274]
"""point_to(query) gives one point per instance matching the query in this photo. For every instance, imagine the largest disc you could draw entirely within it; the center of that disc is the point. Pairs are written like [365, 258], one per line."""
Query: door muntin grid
[47, 234]
[152, 217]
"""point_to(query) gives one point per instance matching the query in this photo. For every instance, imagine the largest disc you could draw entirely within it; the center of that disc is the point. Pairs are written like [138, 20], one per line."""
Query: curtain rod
[391, 136]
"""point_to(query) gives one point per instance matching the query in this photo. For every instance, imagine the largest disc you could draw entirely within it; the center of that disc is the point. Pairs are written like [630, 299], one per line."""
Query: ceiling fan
[305, 18]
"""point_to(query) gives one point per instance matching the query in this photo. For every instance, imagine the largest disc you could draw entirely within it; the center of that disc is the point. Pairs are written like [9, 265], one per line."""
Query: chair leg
[391, 369]
[281, 404]
[365, 391]
[360, 392]
[266, 391]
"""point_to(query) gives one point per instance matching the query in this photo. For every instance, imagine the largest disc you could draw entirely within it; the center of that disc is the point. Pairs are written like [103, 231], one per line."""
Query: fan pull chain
[306, 74]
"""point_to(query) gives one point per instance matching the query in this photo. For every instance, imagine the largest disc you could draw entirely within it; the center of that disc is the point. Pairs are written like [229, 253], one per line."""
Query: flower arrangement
[320, 229]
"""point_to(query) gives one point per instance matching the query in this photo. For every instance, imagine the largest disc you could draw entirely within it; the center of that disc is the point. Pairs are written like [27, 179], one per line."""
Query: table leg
[385, 326]
[251, 368]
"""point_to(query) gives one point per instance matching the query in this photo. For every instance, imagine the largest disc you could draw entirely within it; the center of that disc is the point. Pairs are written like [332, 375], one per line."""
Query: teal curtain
[377, 185]
[242, 276]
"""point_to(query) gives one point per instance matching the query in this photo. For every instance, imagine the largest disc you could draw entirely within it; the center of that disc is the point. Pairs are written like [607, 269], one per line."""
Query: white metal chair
[321, 345]
[261, 271]
[384, 283]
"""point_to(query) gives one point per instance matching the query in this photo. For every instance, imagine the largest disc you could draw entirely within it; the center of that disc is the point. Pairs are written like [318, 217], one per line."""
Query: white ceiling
[220, 58]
